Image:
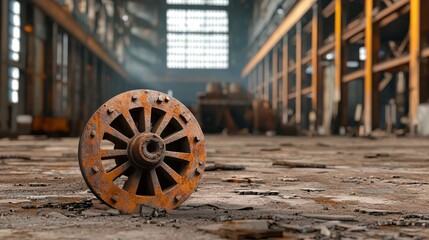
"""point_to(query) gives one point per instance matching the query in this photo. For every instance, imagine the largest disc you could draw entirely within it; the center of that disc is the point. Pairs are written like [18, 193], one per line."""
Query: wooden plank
[307, 58]
[391, 64]
[298, 107]
[295, 14]
[414, 86]
[425, 52]
[390, 10]
[326, 48]
[306, 91]
[353, 76]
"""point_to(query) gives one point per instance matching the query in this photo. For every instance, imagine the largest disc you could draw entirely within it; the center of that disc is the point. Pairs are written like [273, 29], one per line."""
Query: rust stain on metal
[153, 154]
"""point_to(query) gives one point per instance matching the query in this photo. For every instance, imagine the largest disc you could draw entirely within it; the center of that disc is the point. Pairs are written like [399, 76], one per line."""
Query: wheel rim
[142, 148]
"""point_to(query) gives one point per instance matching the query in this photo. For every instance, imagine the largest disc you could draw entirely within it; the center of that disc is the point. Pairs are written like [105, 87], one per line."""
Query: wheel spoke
[118, 171]
[130, 122]
[147, 116]
[116, 135]
[159, 127]
[156, 186]
[112, 153]
[175, 136]
[133, 181]
[177, 178]
[179, 155]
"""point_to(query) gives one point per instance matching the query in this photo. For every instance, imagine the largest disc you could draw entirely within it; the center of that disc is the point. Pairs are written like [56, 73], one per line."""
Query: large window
[14, 49]
[197, 38]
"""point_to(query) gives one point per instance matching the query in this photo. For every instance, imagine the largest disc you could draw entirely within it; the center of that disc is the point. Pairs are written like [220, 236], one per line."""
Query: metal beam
[295, 14]
[66, 20]
[414, 86]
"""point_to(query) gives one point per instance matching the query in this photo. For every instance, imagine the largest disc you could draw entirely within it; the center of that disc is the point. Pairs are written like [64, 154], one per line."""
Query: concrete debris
[224, 166]
[297, 164]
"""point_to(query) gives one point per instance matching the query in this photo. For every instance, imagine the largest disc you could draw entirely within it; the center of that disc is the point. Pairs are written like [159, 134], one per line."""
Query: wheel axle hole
[152, 146]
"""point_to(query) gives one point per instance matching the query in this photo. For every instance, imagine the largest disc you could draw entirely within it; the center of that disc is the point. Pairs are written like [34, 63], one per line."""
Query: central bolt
[146, 150]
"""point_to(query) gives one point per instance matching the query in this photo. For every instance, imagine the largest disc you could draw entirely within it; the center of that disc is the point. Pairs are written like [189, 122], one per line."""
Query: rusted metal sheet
[154, 155]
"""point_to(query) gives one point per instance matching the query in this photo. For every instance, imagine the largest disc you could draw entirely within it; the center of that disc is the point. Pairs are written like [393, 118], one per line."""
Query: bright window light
[199, 2]
[197, 39]
[13, 97]
[16, 7]
[14, 84]
[15, 45]
[14, 72]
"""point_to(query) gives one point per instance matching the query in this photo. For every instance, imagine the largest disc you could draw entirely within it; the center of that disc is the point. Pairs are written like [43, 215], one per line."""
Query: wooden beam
[295, 14]
[372, 42]
[353, 76]
[266, 83]
[298, 104]
[306, 91]
[425, 52]
[68, 22]
[274, 79]
[390, 9]
[340, 94]
[326, 48]
[315, 79]
[285, 78]
[414, 86]
[391, 64]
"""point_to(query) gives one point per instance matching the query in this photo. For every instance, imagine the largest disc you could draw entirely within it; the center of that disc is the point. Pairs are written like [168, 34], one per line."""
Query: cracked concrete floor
[380, 186]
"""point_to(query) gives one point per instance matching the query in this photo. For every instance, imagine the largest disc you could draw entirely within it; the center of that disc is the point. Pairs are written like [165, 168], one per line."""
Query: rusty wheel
[142, 148]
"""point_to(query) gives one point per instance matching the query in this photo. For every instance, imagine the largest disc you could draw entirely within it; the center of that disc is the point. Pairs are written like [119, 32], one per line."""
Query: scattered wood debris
[377, 212]
[224, 166]
[247, 191]
[332, 217]
[288, 179]
[243, 179]
[297, 164]
[376, 155]
[312, 189]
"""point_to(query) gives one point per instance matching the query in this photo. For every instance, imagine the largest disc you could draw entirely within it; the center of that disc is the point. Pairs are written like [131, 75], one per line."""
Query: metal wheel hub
[142, 148]
[146, 150]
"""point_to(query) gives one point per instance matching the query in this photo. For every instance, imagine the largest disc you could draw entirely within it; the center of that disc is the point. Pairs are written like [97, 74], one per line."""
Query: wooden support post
[315, 77]
[298, 97]
[414, 98]
[275, 70]
[285, 72]
[266, 78]
[260, 80]
[340, 93]
[371, 95]
[4, 8]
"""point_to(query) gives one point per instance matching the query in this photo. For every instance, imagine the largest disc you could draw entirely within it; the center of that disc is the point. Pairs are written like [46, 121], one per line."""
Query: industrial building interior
[214, 119]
